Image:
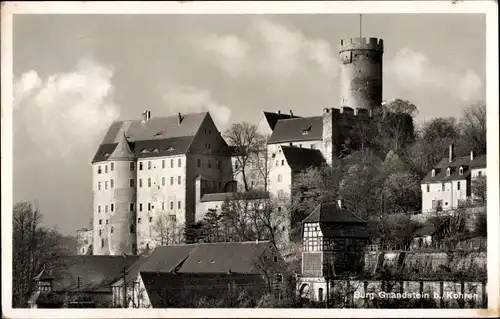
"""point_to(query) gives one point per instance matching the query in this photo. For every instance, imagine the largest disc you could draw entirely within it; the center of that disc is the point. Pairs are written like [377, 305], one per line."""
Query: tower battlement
[358, 43]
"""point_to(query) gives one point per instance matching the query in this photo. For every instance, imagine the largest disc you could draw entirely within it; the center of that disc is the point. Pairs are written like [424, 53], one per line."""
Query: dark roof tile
[291, 130]
[273, 118]
[220, 197]
[331, 213]
[441, 173]
[300, 159]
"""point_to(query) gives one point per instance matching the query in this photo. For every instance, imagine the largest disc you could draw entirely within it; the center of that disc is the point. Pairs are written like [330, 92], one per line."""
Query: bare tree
[247, 143]
[35, 248]
[166, 230]
[473, 128]
[478, 186]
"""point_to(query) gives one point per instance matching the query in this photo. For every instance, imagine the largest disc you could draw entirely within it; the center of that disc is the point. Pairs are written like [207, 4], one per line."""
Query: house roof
[331, 213]
[291, 130]
[302, 158]
[238, 257]
[95, 272]
[162, 133]
[273, 118]
[220, 197]
[442, 176]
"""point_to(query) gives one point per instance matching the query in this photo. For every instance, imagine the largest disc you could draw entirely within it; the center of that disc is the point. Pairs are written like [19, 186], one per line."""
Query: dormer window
[433, 173]
[448, 171]
[461, 171]
[306, 131]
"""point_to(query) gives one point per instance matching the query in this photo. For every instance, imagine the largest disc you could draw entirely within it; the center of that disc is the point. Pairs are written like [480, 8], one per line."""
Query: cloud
[271, 49]
[66, 112]
[414, 70]
[186, 99]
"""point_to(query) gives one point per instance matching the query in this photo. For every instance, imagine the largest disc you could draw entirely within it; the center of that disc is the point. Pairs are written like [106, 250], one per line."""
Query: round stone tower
[361, 73]
[119, 236]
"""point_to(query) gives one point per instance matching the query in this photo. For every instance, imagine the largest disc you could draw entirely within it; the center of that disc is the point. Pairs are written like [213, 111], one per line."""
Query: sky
[75, 74]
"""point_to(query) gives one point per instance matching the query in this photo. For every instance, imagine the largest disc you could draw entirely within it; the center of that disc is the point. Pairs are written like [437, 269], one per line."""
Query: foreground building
[450, 181]
[333, 242]
[182, 275]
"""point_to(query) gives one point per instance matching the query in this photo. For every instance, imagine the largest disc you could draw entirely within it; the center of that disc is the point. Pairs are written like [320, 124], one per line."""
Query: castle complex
[152, 167]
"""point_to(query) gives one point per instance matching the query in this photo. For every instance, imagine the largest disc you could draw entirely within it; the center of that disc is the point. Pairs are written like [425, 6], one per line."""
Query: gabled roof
[160, 136]
[273, 118]
[238, 257]
[300, 159]
[442, 176]
[331, 213]
[291, 130]
[95, 272]
[122, 149]
[44, 275]
[220, 197]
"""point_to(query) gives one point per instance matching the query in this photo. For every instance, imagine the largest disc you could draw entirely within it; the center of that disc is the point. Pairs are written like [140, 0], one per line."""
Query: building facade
[450, 182]
[144, 176]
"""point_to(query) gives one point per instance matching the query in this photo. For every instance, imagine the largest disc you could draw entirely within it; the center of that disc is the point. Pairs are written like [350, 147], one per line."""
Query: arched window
[461, 170]
[433, 172]
[448, 171]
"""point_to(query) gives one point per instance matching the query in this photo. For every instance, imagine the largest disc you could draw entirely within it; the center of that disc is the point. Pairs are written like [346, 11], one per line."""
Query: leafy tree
[396, 130]
[478, 185]
[35, 247]
[401, 193]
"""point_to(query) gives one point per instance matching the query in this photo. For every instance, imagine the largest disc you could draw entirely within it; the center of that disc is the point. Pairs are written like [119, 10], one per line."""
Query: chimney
[278, 112]
[451, 152]
[291, 113]
[340, 203]
[146, 115]
[471, 155]
[179, 118]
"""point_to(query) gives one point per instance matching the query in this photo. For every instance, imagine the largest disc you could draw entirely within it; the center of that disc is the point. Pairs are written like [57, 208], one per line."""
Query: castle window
[275, 259]
[132, 166]
[149, 206]
[107, 222]
[279, 277]
[138, 220]
[112, 230]
[172, 218]
[163, 181]
[205, 132]
[479, 174]
[320, 294]
[112, 207]
[105, 169]
[98, 186]
[132, 182]
[149, 164]
[99, 169]
[171, 180]
[106, 208]
[277, 163]
[217, 164]
[163, 164]
[100, 221]
[179, 205]
[150, 219]
[149, 182]
[458, 185]
[112, 166]
[282, 162]
[140, 207]
[99, 208]
[100, 232]
[428, 188]
[171, 205]
[140, 166]
[198, 162]
[112, 183]
[179, 180]
[163, 205]
[132, 230]
[443, 187]
[131, 207]
[102, 242]
[279, 178]
[140, 182]
[209, 164]
[106, 185]
[179, 162]
[172, 163]
[209, 132]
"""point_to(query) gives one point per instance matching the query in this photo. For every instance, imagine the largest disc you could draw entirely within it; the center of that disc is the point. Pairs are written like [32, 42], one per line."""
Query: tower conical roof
[122, 150]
